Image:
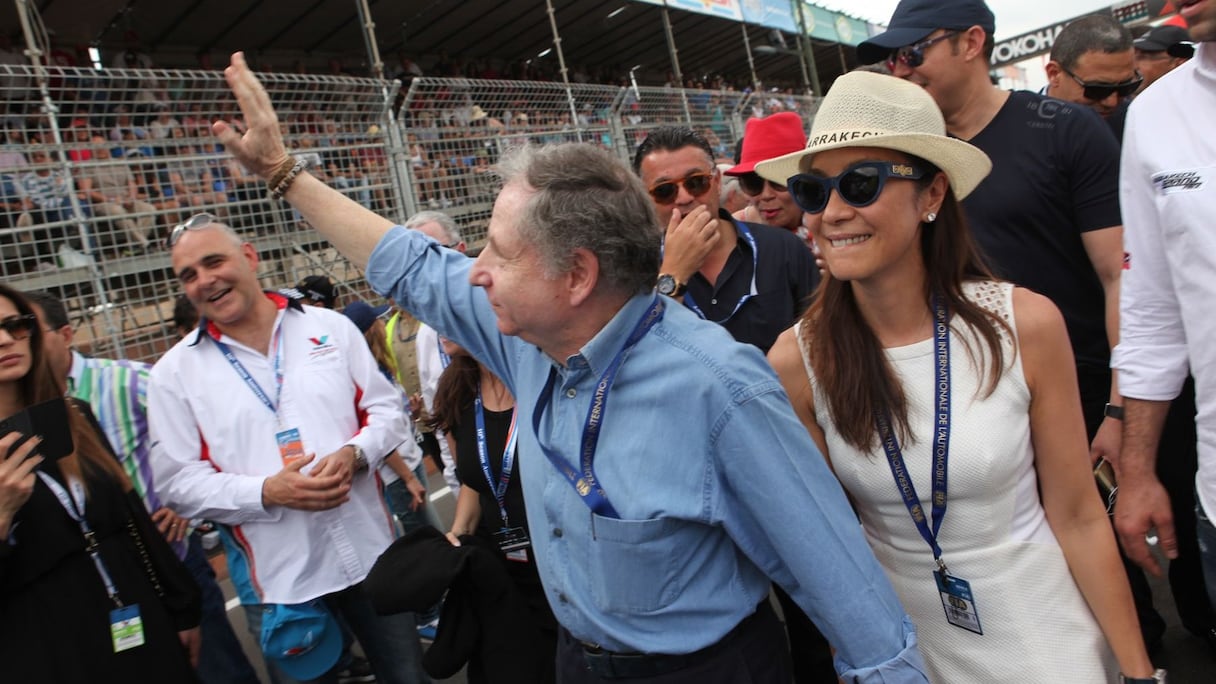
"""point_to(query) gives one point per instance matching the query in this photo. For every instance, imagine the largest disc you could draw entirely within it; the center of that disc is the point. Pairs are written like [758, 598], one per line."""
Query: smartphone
[48, 420]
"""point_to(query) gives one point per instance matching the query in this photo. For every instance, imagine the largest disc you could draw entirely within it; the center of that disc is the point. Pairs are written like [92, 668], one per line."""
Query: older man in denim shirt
[656, 543]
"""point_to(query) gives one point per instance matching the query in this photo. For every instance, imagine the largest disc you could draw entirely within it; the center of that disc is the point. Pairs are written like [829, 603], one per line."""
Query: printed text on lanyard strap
[751, 242]
[497, 487]
[941, 440]
[277, 345]
[585, 483]
[74, 505]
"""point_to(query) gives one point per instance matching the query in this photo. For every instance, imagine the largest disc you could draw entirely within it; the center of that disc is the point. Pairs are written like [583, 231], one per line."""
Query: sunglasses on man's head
[859, 185]
[913, 55]
[696, 184]
[752, 184]
[1100, 91]
[19, 327]
[196, 222]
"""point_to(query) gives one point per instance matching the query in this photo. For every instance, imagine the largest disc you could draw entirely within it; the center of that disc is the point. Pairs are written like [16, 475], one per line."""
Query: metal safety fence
[97, 166]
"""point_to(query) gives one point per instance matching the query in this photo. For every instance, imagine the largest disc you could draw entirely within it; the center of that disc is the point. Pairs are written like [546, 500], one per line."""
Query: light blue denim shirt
[718, 485]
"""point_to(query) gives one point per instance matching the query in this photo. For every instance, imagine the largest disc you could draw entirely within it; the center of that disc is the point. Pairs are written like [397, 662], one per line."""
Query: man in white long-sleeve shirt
[272, 420]
[1168, 192]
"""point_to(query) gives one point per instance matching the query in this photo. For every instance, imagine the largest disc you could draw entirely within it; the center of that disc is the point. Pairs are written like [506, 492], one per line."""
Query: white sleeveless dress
[1037, 627]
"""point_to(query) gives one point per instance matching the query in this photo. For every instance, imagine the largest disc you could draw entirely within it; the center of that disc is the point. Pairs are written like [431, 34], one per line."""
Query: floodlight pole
[561, 61]
[807, 49]
[751, 63]
[675, 63]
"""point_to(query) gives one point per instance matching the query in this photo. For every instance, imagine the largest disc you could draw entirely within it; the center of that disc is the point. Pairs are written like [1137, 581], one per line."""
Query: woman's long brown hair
[457, 388]
[846, 356]
[91, 458]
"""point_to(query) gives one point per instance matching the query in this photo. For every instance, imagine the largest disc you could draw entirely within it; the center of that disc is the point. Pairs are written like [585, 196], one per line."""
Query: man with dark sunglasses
[1047, 217]
[753, 279]
[1092, 64]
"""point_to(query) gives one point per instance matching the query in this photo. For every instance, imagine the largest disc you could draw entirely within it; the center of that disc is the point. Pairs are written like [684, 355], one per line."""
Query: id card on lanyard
[126, 624]
[584, 481]
[958, 602]
[291, 446]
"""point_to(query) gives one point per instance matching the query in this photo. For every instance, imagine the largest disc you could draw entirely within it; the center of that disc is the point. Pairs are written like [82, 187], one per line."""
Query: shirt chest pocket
[634, 565]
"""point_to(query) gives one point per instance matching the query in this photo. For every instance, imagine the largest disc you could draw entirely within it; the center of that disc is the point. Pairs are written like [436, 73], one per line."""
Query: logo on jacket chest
[321, 346]
[1170, 182]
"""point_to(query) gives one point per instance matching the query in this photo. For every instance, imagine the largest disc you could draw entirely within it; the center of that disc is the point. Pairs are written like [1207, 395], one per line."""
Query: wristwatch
[1158, 677]
[360, 457]
[1112, 411]
[669, 286]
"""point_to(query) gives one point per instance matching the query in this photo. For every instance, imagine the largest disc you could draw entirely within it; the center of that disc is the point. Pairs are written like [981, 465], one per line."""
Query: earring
[930, 217]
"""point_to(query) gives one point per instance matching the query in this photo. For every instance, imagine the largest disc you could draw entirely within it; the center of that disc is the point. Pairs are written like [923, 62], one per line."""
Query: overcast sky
[1012, 16]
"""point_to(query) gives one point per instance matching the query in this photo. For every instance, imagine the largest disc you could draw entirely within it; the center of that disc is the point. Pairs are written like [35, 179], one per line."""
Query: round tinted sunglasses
[19, 327]
[196, 222]
[696, 184]
[859, 185]
[1100, 91]
[752, 184]
[913, 55]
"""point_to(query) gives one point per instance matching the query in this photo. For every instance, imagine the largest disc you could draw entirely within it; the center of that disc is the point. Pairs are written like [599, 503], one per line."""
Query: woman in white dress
[947, 404]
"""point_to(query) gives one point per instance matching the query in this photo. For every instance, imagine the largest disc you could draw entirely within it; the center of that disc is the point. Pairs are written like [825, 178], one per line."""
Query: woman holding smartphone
[89, 590]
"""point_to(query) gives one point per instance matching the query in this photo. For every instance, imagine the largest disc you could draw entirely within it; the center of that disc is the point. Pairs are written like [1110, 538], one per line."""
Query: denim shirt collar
[601, 349]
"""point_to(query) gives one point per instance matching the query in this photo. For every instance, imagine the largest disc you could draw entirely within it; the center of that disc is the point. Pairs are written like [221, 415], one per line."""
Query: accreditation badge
[511, 539]
[291, 446]
[126, 628]
[958, 602]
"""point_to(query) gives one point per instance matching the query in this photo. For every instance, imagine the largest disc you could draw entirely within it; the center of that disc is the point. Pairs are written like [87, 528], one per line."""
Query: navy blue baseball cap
[363, 315]
[915, 19]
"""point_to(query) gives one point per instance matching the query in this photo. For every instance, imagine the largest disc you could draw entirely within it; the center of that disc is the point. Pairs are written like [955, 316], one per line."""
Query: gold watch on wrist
[669, 286]
[360, 457]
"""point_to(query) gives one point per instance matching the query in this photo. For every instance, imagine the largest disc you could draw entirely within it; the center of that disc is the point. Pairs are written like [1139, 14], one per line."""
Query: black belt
[612, 665]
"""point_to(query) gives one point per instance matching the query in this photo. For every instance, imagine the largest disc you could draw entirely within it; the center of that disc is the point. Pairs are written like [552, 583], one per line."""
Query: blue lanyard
[252, 383]
[444, 359]
[497, 487]
[751, 242]
[941, 440]
[74, 505]
[585, 482]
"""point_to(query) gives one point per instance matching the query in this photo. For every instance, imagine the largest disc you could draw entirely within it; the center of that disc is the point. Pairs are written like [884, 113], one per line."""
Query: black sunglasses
[1100, 91]
[913, 55]
[19, 327]
[196, 222]
[752, 184]
[696, 184]
[859, 185]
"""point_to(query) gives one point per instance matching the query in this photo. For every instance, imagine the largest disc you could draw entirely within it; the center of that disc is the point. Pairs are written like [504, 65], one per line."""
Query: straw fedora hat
[874, 110]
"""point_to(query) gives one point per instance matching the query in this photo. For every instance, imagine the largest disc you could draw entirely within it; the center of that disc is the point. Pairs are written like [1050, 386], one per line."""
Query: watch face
[667, 285]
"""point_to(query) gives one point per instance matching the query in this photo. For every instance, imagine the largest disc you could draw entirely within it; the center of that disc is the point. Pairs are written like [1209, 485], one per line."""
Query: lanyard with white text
[751, 242]
[277, 344]
[585, 482]
[941, 440]
[74, 505]
[497, 487]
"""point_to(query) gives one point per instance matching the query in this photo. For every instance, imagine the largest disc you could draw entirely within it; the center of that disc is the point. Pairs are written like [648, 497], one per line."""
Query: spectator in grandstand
[1092, 64]
[110, 188]
[45, 199]
[165, 124]
[1047, 217]
[1161, 50]
[766, 138]
[124, 125]
[192, 181]
[752, 278]
[117, 392]
[153, 186]
[79, 140]
[635, 551]
[286, 472]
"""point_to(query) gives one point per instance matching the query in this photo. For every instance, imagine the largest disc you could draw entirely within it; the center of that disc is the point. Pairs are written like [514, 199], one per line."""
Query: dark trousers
[755, 652]
[809, 649]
